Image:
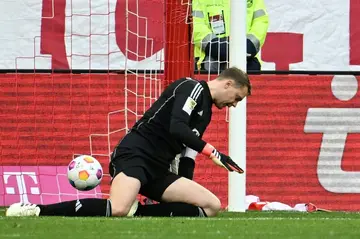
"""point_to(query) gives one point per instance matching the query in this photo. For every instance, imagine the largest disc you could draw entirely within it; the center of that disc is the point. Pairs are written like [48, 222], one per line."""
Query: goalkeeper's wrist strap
[208, 150]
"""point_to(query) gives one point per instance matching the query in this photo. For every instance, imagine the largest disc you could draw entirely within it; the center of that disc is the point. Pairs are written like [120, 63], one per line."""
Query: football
[84, 173]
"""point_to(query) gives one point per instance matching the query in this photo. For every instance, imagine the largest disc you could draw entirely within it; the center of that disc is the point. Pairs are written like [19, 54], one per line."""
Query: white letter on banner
[336, 124]
[21, 185]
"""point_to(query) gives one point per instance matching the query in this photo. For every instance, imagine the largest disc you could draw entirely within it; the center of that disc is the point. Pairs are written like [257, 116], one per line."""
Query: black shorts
[154, 179]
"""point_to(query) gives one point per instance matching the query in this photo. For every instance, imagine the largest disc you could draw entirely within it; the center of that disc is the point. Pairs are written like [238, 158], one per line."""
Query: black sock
[88, 207]
[172, 209]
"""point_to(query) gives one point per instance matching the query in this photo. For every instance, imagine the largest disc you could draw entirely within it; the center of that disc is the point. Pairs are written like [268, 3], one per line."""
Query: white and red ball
[84, 173]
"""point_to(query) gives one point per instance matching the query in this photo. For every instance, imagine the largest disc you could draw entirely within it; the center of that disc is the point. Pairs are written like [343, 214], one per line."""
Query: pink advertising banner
[38, 184]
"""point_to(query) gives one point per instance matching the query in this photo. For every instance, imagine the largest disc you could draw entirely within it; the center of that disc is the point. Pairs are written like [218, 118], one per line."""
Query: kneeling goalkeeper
[140, 162]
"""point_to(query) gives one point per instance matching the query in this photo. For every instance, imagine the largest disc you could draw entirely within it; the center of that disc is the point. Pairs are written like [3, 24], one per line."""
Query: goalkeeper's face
[230, 94]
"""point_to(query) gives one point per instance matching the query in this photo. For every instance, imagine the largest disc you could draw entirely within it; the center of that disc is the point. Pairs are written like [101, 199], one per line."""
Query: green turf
[227, 225]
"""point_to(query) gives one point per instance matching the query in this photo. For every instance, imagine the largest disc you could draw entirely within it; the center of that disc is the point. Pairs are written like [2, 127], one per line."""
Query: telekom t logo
[336, 124]
[21, 185]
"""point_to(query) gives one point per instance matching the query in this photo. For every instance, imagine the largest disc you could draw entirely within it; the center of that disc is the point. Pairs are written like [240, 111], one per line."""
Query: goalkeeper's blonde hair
[240, 77]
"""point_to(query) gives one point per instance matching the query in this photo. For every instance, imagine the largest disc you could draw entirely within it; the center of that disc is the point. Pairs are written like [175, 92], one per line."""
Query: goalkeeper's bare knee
[190, 192]
[120, 211]
[123, 194]
[212, 207]
[124, 211]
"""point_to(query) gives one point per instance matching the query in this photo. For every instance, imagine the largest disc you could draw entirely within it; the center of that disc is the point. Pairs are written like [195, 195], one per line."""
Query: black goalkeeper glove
[222, 159]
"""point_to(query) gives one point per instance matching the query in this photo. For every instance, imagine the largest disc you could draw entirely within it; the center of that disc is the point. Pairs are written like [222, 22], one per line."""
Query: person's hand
[221, 159]
[226, 162]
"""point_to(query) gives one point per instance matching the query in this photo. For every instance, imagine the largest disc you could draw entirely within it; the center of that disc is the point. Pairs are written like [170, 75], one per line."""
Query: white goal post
[237, 117]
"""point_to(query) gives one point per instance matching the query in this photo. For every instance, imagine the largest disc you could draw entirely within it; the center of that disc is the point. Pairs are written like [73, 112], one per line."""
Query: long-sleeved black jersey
[175, 121]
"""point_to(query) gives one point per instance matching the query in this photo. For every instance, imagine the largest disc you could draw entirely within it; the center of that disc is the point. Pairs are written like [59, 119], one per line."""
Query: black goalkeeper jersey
[176, 120]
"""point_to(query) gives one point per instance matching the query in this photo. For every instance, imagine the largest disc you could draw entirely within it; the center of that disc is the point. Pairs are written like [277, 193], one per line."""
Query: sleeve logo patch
[189, 105]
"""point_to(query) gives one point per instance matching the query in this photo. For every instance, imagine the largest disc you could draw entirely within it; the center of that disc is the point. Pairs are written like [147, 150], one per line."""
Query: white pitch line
[267, 219]
[208, 219]
[9, 235]
[286, 218]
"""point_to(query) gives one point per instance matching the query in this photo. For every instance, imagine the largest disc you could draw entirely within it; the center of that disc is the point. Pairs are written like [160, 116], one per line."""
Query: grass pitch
[227, 225]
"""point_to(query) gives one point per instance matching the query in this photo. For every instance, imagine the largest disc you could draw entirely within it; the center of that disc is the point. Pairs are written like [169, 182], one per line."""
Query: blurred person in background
[211, 32]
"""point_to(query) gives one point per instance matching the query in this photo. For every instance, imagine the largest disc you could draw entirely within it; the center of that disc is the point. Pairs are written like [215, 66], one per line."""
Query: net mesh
[50, 118]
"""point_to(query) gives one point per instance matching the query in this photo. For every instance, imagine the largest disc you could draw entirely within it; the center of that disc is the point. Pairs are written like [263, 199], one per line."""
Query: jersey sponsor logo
[189, 105]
